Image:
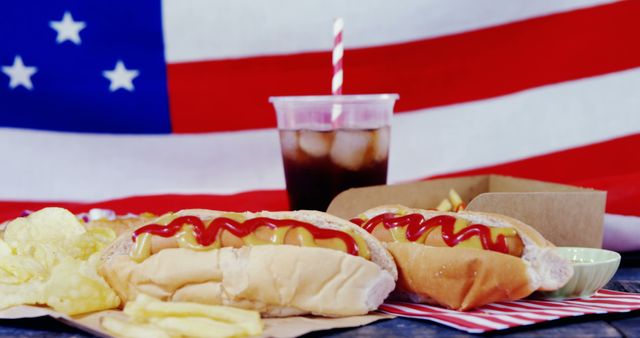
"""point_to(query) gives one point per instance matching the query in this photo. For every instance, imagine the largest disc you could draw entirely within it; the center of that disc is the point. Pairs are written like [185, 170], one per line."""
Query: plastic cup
[332, 143]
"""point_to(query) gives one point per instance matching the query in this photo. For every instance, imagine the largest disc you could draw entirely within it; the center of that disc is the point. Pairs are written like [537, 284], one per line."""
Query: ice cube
[381, 144]
[349, 148]
[289, 143]
[315, 143]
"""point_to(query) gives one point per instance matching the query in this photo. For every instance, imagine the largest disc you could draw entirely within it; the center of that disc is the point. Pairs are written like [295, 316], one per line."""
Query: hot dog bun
[277, 280]
[465, 278]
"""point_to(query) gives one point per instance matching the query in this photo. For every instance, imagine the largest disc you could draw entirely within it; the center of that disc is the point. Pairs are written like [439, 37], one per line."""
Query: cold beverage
[331, 143]
[319, 165]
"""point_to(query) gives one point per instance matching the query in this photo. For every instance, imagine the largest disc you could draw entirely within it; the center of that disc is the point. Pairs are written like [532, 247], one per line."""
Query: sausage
[434, 238]
[228, 239]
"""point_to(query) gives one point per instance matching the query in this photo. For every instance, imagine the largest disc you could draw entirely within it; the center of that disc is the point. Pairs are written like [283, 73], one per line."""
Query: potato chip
[49, 258]
[75, 287]
[90, 242]
[19, 294]
[5, 249]
[18, 269]
[49, 225]
[45, 254]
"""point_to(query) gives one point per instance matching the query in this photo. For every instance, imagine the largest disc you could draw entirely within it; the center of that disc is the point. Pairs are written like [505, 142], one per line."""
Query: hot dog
[278, 263]
[466, 259]
[236, 230]
[443, 230]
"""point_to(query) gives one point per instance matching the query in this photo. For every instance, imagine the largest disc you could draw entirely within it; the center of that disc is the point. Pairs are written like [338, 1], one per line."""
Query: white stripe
[600, 306]
[633, 300]
[523, 314]
[580, 307]
[426, 316]
[564, 308]
[65, 166]
[473, 320]
[508, 318]
[546, 311]
[615, 295]
[498, 314]
[338, 53]
[529, 123]
[478, 320]
[338, 26]
[197, 30]
[336, 81]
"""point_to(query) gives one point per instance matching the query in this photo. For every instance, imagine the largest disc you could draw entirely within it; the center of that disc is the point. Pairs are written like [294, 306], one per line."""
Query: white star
[121, 77]
[68, 29]
[19, 74]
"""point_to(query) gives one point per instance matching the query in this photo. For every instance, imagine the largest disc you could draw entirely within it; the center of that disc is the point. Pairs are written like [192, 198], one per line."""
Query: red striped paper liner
[505, 315]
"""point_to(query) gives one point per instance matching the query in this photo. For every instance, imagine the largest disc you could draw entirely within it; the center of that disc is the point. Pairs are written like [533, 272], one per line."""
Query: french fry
[121, 328]
[199, 327]
[456, 201]
[445, 205]
[145, 307]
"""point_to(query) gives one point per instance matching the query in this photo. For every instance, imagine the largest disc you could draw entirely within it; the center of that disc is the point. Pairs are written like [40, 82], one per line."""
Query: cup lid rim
[335, 98]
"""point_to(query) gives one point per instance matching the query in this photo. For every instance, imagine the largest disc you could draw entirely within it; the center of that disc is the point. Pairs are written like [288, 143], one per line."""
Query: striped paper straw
[338, 51]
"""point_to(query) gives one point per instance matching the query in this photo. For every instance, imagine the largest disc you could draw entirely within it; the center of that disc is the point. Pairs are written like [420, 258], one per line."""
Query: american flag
[167, 101]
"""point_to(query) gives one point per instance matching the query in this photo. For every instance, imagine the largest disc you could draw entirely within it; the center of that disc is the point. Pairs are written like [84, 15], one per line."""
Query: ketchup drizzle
[207, 235]
[417, 226]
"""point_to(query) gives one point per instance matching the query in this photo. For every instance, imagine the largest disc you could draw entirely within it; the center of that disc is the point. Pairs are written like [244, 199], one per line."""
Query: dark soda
[319, 165]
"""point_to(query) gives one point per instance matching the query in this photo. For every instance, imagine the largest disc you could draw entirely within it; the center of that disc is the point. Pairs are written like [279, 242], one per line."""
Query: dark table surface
[611, 325]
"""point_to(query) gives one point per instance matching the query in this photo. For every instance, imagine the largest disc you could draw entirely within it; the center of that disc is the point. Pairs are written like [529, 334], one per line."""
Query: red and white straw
[338, 51]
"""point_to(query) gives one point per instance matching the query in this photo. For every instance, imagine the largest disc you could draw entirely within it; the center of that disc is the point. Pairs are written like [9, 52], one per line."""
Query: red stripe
[446, 322]
[232, 94]
[562, 306]
[421, 307]
[511, 311]
[159, 204]
[523, 307]
[519, 316]
[632, 303]
[616, 293]
[603, 307]
[501, 309]
[444, 317]
[425, 308]
[462, 322]
[610, 166]
[337, 66]
[476, 314]
[604, 302]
